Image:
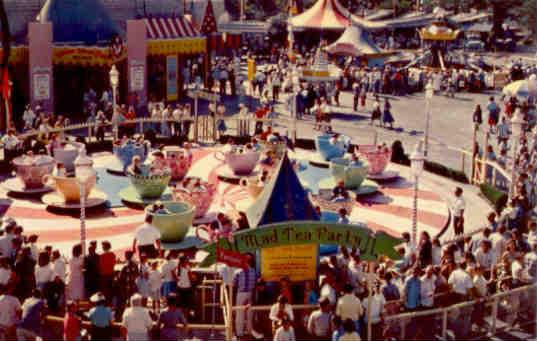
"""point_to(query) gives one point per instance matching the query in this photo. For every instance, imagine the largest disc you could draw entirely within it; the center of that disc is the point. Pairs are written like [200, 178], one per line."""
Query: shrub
[447, 172]
[494, 196]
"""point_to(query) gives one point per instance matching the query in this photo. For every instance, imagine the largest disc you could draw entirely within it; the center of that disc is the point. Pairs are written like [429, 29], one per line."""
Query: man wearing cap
[147, 236]
[136, 320]
[100, 317]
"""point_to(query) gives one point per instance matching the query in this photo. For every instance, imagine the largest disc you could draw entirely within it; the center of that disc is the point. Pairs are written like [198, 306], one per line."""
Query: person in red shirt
[71, 323]
[265, 134]
[107, 263]
[130, 127]
[260, 113]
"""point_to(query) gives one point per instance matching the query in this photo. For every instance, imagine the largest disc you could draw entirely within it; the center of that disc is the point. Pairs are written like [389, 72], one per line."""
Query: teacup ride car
[147, 187]
[66, 153]
[177, 161]
[124, 151]
[173, 220]
[197, 193]
[67, 194]
[353, 173]
[378, 158]
[253, 186]
[30, 170]
[240, 161]
[329, 146]
[278, 148]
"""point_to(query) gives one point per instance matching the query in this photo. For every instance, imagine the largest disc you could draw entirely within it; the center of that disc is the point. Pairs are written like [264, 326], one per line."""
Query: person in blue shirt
[101, 318]
[337, 327]
[33, 312]
[412, 291]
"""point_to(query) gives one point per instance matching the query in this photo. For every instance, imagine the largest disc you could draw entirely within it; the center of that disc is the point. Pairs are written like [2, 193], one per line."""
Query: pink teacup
[378, 157]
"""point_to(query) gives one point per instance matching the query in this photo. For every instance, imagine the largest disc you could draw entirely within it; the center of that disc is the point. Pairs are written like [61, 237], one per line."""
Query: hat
[97, 297]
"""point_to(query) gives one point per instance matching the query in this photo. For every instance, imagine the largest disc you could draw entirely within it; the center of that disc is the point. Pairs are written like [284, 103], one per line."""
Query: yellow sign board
[251, 69]
[298, 262]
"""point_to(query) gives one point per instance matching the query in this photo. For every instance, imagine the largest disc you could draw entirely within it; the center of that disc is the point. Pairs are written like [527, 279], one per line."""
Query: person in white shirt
[169, 276]
[5, 271]
[349, 306]
[460, 283]
[154, 279]
[457, 209]
[10, 312]
[499, 242]
[327, 290]
[58, 265]
[43, 271]
[28, 116]
[319, 321]
[136, 320]
[485, 256]
[428, 288]
[436, 252]
[285, 332]
[6, 246]
[146, 237]
[377, 311]
[279, 310]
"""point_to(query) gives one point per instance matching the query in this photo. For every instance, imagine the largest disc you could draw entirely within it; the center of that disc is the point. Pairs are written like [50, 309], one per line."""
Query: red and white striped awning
[170, 28]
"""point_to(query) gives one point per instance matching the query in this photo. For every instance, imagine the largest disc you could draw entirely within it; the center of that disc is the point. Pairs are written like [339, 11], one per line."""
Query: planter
[150, 186]
[31, 169]
[173, 226]
[68, 187]
[378, 157]
[201, 197]
[329, 150]
[352, 176]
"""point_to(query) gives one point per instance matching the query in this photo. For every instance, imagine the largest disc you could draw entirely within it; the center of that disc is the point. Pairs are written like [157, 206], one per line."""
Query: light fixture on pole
[429, 94]
[114, 82]
[517, 122]
[84, 174]
[417, 163]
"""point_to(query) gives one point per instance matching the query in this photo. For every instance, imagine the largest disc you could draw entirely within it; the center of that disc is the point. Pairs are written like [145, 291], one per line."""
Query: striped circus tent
[354, 42]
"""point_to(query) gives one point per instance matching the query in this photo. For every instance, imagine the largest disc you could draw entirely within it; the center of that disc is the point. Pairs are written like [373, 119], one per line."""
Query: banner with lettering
[371, 243]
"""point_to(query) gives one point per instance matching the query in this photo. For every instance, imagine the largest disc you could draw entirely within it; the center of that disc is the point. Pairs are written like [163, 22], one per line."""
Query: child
[343, 218]
[155, 282]
[142, 282]
[286, 331]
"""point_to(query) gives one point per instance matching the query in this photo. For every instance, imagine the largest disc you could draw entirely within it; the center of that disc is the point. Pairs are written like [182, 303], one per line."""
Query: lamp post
[417, 161]
[114, 82]
[84, 173]
[429, 94]
[516, 131]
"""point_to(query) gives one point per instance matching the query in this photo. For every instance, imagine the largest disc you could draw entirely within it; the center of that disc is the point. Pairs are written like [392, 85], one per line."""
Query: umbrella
[517, 88]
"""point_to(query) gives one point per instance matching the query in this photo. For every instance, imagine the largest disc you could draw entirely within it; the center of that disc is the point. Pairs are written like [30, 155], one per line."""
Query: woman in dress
[75, 287]
[387, 117]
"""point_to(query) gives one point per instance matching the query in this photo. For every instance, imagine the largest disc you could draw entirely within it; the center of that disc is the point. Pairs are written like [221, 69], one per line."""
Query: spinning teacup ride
[328, 147]
[178, 160]
[241, 161]
[352, 173]
[30, 170]
[197, 193]
[378, 158]
[65, 153]
[124, 150]
[148, 183]
[69, 190]
[173, 219]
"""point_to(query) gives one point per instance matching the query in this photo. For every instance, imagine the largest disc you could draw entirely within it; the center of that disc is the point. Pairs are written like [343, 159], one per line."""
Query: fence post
[403, 329]
[494, 315]
[375, 137]
[444, 323]
[463, 162]
[494, 176]
[229, 327]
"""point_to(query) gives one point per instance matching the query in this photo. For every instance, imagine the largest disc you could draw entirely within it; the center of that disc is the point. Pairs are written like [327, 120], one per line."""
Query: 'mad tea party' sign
[370, 243]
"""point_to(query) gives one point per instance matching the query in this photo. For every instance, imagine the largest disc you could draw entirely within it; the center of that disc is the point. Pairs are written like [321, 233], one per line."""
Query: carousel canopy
[79, 22]
[282, 199]
[438, 31]
[355, 42]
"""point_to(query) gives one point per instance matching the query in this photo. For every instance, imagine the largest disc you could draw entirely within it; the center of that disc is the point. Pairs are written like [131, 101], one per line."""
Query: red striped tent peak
[324, 14]
[170, 28]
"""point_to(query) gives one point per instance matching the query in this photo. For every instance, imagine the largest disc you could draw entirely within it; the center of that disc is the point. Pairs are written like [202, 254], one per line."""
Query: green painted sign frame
[371, 243]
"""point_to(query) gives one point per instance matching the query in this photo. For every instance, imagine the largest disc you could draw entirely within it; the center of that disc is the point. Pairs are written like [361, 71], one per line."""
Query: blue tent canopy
[79, 22]
[282, 199]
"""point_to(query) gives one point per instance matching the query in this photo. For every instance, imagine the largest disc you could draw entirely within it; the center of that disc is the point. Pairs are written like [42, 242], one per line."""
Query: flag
[208, 25]
[6, 95]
